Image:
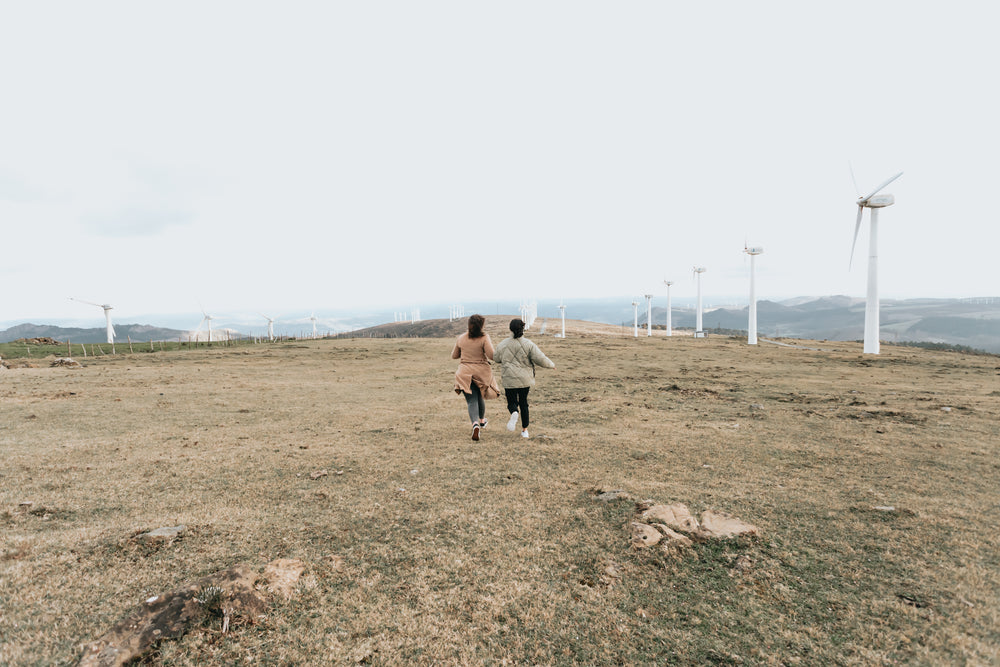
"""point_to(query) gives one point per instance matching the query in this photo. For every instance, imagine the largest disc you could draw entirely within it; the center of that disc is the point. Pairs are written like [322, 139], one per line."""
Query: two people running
[517, 357]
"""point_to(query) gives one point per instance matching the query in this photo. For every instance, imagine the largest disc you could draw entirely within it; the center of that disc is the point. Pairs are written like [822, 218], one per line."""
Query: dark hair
[476, 323]
[517, 327]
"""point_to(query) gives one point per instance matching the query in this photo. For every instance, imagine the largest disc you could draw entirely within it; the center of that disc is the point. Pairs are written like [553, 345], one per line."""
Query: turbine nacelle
[878, 201]
[754, 250]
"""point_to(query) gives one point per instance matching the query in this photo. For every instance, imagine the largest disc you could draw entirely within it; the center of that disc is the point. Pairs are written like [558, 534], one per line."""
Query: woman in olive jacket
[517, 357]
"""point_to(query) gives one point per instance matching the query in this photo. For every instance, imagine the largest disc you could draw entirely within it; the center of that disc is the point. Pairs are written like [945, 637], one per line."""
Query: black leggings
[517, 399]
[476, 404]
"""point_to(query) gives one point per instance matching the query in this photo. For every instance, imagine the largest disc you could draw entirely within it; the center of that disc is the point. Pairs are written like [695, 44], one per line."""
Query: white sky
[269, 157]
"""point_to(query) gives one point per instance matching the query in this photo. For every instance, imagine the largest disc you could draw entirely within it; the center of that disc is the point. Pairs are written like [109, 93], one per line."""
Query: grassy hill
[871, 481]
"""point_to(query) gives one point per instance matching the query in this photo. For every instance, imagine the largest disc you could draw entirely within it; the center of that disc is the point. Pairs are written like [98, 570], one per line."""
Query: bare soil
[872, 482]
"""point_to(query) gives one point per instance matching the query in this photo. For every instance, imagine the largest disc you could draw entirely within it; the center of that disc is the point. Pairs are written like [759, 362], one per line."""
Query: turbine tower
[668, 283]
[874, 201]
[649, 314]
[107, 316]
[752, 325]
[313, 319]
[635, 318]
[562, 314]
[698, 331]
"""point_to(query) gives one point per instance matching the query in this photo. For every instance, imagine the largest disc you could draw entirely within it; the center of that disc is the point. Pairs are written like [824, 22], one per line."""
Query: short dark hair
[517, 327]
[476, 323]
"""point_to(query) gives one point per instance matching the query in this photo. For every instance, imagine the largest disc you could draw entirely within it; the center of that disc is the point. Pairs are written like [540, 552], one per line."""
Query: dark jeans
[517, 399]
[476, 404]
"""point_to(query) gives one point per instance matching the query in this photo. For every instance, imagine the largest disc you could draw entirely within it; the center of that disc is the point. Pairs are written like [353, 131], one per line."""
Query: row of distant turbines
[206, 321]
[529, 311]
[873, 201]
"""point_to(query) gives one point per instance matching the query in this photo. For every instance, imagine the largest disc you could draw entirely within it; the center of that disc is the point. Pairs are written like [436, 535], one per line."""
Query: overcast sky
[289, 156]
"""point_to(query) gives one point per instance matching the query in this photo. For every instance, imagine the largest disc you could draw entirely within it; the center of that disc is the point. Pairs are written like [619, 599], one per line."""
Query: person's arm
[538, 358]
[488, 347]
[457, 352]
[500, 353]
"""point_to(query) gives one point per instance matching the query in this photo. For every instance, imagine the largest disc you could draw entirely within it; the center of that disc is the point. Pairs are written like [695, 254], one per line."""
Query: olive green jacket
[517, 358]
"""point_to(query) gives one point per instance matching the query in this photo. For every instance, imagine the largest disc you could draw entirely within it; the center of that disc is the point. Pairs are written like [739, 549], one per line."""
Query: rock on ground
[722, 525]
[172, 614]
[676, 516]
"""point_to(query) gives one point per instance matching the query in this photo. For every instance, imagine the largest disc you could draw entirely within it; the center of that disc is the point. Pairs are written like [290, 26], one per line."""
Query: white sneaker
[512, 422]
[524, 434]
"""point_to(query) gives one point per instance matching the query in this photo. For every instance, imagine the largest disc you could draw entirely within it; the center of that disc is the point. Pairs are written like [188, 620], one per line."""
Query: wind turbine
[698, 331]
[752, 325]
[206, 319]
[649, 314]
[562, 314]
[107, 316]
[873, 201]
[668, 283]
[313, 318]
[270, 326]
[635, 318]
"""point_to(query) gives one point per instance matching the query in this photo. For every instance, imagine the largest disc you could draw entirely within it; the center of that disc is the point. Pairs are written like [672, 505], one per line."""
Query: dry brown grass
[430, 548]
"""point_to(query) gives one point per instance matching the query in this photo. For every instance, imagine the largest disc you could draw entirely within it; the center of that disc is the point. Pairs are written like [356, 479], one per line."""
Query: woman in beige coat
[474, 377]
[518, 357]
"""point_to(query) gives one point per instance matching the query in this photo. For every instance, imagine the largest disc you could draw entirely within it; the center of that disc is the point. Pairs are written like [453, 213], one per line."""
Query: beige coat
[475, 355]
[517, 358]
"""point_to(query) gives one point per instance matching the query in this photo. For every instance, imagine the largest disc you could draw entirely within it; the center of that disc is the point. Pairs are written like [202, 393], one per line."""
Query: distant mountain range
[970, 322]
[973, 323]
[137, 332]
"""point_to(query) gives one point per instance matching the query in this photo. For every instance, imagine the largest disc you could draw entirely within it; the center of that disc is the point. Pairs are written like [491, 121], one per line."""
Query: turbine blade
[854, 180]
[90, 303]
[857, 228]
[876, 190]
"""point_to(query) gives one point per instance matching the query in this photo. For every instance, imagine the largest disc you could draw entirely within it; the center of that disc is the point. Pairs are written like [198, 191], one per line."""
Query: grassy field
[873, 480]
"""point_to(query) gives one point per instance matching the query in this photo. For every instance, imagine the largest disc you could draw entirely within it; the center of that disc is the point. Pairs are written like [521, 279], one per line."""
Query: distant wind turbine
[270, 326]
[207, 319]
[668, 283]
[873, 201]
[313, 318]
[107, 316]
[698, 331]
[649, 314]
[562, 314]
[752, 324]
[635, 318]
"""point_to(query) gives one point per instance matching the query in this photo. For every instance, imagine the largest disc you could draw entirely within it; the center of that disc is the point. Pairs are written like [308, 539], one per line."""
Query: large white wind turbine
[698, 331]
[752, 324]
[313, 318]
[668, 283]
[107, 316]
[873, 201]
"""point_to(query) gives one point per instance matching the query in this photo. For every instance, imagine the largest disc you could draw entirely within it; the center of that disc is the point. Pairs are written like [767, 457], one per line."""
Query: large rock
[171, 615]
[722, 525]
[676, 516]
